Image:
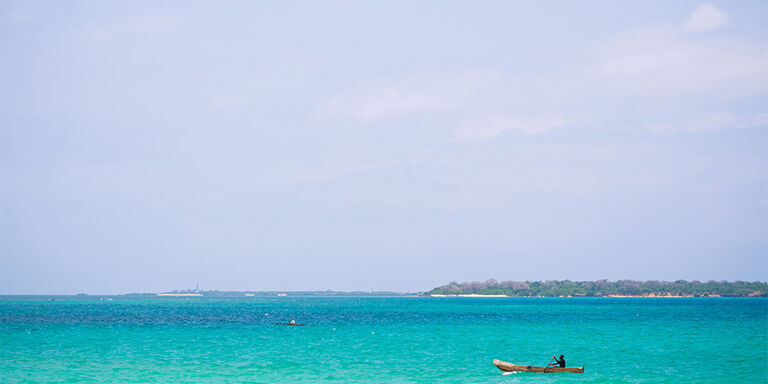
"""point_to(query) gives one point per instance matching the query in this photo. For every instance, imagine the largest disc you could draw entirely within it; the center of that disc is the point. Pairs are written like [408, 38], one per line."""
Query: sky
[147, 146]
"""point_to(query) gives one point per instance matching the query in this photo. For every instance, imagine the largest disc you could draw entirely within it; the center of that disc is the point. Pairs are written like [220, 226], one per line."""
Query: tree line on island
[601, 288]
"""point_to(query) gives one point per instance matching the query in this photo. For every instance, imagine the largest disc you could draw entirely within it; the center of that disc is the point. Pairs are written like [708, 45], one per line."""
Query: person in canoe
[292, 322]
[558, 362]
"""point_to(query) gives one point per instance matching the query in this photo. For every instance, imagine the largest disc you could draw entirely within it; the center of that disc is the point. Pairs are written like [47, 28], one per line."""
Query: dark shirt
[561, 362]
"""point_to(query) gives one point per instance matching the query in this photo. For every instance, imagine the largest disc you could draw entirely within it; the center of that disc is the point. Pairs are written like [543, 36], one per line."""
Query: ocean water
[381, 340]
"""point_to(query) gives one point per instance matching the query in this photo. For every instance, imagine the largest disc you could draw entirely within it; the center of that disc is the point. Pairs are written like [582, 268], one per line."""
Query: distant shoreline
[603, 288]
[580, 296]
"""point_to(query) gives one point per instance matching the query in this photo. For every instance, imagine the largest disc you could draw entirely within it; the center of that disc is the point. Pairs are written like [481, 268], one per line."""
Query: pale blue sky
[152, 145]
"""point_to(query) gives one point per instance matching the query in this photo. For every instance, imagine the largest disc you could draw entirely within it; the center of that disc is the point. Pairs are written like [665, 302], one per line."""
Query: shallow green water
[390, 340]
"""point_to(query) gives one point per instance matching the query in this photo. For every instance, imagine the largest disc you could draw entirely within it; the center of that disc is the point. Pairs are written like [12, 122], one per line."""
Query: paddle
[550, 361]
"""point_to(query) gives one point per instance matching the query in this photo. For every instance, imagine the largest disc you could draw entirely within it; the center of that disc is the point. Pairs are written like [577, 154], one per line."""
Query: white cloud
[713, 122]
[492, 126]
[326, 168]
[706, 17]
[386, 101]
[668, 60]
[411, 94]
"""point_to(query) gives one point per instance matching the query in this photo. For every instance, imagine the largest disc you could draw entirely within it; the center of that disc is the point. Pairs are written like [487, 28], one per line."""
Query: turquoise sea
[380, 339]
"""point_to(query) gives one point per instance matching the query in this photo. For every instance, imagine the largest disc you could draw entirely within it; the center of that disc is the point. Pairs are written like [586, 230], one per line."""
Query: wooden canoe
[295, 325]
[509, 367]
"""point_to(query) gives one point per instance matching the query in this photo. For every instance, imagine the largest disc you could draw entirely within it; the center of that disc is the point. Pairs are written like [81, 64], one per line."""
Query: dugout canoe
[509, 367]
[295, 325]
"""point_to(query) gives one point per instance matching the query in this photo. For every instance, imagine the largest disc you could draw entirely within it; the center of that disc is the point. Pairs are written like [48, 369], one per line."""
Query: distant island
[549, 288]
[604, 288]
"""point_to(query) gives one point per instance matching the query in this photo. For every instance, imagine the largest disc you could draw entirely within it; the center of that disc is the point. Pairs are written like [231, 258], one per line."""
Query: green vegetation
[605, 288]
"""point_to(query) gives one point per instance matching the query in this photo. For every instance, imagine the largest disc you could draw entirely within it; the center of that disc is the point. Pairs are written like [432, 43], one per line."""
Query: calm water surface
[384, 340]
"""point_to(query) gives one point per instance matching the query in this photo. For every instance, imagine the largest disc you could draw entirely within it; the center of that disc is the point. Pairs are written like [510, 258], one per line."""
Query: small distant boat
[296, 325]
[509, 367]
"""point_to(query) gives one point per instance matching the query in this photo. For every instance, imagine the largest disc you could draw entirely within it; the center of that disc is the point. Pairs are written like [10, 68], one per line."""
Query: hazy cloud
[713, 122]
[403, 95]
[386, 102]
[495, 125]
[658, 59]
[706, 17]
